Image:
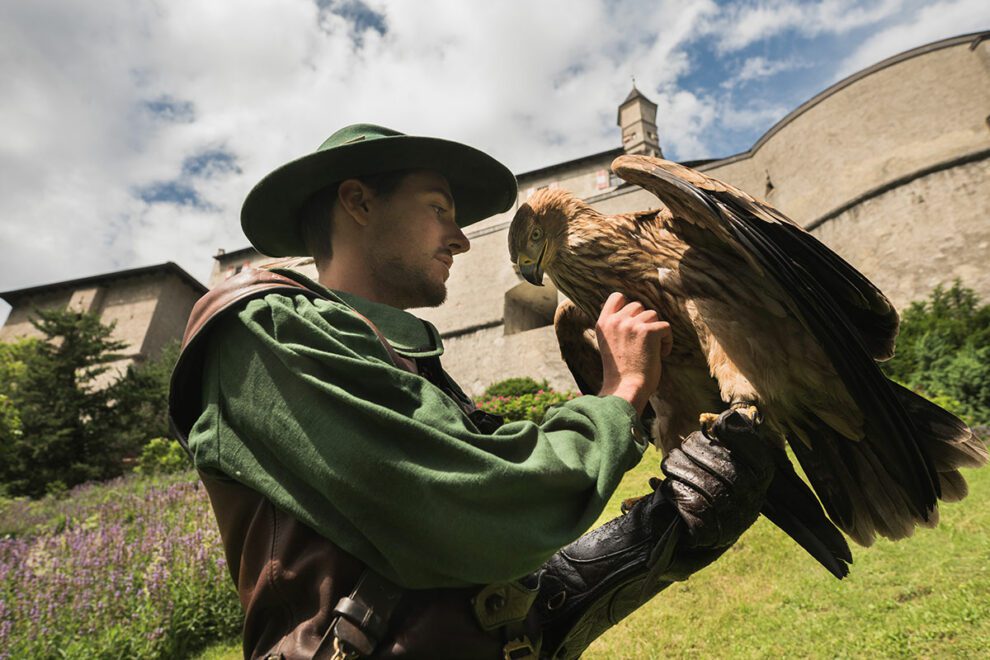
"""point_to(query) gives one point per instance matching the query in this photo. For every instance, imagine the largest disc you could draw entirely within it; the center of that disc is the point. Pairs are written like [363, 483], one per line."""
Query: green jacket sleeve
[303, 404]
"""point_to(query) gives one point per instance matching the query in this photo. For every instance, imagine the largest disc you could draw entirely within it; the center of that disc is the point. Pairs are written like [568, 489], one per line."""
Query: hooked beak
[531, 270]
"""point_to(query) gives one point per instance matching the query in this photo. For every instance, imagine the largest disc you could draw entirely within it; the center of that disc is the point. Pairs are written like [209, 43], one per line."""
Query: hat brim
[481, 185]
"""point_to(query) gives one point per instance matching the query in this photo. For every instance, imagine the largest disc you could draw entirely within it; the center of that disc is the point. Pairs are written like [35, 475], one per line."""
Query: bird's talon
[707, 421]
[749, 411]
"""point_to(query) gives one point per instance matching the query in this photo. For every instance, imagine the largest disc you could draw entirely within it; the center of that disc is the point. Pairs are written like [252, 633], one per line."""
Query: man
[366, 507]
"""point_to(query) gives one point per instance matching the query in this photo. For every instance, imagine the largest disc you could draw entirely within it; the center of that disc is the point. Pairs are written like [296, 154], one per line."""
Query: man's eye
[439, 209]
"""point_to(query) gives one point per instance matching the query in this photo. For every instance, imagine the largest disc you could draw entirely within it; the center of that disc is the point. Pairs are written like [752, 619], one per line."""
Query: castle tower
[638, 120]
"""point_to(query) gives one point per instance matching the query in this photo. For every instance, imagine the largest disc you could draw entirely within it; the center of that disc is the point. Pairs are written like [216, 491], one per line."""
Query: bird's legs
[710, 422]
[739, 413]
[749, 410]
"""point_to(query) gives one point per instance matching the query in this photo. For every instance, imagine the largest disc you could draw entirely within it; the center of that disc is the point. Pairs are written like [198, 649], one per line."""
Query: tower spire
[637, 118]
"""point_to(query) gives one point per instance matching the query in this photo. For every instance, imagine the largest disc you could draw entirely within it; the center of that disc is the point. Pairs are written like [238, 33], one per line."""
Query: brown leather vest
[288, 577]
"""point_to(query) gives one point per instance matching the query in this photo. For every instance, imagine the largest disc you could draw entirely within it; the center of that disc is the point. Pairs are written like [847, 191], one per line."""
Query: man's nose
[458, 242]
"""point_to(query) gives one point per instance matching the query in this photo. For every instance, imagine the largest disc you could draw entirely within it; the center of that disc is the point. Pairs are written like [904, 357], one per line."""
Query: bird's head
[539, 230]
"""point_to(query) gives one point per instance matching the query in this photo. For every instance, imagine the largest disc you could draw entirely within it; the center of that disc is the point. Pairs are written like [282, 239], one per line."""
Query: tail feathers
[889, 505]
[949, 442]
[954, 486]
[857, 488]
[794, 508]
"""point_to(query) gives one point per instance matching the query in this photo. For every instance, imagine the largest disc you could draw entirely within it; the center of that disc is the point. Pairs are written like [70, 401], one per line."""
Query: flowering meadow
[131, 568]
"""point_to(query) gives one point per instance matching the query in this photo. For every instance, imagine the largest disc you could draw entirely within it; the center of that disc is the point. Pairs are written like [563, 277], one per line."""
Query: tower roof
[634, 95]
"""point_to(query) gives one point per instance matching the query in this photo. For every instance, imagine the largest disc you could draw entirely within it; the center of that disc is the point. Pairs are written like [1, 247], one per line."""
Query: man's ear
[353, 197]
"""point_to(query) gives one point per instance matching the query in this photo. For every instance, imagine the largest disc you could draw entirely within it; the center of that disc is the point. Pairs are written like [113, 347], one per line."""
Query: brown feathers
[761, 311]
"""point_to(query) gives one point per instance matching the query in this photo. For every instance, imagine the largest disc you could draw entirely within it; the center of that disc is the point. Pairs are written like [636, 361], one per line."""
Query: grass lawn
[927, 596]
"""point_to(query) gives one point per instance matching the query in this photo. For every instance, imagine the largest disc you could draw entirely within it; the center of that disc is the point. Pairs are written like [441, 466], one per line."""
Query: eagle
[767, 320]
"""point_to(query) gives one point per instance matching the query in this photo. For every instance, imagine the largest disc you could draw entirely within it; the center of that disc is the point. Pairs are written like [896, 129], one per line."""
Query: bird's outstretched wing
[887, 481]
[748, 224]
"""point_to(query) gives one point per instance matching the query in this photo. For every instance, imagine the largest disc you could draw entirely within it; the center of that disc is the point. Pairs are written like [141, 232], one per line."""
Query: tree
[943, 351]
[12, 369]
[141, 400]
[66, 431]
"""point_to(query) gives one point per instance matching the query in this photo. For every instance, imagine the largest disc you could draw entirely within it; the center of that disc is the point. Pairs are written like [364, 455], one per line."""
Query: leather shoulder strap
[185, 387]
[249, 283]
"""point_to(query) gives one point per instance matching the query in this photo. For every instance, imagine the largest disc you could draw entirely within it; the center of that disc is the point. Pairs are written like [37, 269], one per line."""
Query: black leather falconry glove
[713, 493]
[718, 485]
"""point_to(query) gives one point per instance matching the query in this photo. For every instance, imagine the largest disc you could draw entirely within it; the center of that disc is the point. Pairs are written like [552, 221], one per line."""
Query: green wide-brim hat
[481, 185]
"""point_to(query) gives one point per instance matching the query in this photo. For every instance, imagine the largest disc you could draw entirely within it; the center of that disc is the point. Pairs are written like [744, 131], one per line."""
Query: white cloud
[756, 68]
[755, 115]
[683, 119]
[924, 25]
[106, 102]
[743, 23]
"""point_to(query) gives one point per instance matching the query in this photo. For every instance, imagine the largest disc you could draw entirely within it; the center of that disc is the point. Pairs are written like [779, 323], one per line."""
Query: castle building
[889, 167]
[148, 306]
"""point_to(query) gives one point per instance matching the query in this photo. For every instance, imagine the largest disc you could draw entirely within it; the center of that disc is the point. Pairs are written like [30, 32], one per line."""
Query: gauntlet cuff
[602, 577]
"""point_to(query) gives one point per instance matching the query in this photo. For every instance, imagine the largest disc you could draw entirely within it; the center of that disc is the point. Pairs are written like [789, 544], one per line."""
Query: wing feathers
[680, 188]
[885, 483]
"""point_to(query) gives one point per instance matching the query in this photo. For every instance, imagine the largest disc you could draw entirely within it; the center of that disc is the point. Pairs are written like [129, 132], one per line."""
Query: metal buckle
[519, 649]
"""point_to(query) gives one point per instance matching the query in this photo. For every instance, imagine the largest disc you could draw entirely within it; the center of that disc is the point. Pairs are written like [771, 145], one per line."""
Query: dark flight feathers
[887, 475]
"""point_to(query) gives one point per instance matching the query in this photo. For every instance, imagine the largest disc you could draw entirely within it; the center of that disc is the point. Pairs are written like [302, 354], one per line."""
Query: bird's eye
[536, 235]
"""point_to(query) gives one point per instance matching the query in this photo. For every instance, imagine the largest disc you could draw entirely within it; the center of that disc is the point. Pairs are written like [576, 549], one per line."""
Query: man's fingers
[634, 309]
[613, 304]
[645, 315]
[662, 328]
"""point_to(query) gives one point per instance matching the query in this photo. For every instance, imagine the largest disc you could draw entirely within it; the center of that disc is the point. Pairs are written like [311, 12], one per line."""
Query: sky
[133, 129]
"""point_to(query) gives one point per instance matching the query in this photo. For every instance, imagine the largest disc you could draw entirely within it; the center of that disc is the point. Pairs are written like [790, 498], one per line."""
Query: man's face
[413, 241]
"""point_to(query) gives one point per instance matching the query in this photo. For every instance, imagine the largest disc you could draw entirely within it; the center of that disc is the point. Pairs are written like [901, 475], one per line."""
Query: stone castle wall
[889, 167]
[148, 311]
[18, 323]
[881, 124]
[921, 234]
[168, 322]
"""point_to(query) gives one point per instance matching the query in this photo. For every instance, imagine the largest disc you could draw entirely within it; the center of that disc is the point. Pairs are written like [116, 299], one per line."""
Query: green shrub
[162, 456]
[56, 489]
[525, 406]
[516, 387]
[943, 352]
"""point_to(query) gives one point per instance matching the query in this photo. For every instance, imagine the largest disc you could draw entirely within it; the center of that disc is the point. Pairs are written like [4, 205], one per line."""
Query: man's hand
[718, 486]
[632, 340]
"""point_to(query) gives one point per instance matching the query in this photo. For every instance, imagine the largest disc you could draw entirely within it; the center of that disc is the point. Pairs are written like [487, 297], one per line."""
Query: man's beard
[409, 287]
